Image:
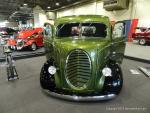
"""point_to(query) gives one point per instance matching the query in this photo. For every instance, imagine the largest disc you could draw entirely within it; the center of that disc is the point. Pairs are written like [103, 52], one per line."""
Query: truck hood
[85, 44]
[27, 33]
[96, 48]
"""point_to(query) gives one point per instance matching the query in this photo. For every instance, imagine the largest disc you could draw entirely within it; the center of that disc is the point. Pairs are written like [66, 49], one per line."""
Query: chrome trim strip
[81, 98]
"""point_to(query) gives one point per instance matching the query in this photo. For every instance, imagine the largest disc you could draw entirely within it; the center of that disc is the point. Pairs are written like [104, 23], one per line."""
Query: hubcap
[33, 46]
[142, 41]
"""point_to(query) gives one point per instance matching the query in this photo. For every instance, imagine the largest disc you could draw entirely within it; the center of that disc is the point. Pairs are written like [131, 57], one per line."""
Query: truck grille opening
[78, 68]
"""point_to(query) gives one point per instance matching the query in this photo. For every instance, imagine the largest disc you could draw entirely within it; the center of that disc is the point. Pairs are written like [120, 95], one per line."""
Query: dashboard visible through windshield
[81, 30]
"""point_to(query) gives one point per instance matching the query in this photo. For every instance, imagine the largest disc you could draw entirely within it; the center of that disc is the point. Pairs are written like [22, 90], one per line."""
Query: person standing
[47, 30]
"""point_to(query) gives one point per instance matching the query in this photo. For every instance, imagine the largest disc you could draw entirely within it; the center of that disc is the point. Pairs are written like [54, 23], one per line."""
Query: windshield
[81, 29]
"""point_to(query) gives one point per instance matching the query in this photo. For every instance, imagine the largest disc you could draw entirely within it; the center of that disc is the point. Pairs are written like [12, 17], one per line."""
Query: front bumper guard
[81, 98]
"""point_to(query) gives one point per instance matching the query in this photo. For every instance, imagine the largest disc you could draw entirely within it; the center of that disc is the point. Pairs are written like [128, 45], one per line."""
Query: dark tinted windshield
[82, 29]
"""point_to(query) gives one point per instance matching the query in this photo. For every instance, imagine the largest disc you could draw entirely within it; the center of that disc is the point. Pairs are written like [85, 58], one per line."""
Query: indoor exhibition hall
[74, 56]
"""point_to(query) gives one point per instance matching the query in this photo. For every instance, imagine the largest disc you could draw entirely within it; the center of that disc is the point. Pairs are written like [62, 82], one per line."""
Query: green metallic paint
[83, 19]
[99, 50]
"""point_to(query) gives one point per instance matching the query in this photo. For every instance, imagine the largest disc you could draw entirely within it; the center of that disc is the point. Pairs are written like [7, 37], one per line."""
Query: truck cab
[83, 58]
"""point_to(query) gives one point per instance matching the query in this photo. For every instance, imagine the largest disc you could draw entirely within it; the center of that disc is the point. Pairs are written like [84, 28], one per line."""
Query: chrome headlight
[52, 70]
[107, 72]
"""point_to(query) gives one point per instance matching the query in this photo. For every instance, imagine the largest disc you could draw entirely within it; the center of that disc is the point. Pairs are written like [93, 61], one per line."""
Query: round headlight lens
[107, 72]
[52, 70]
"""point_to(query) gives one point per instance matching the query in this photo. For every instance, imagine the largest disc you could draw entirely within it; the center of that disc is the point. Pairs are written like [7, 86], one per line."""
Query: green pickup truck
[83, 58]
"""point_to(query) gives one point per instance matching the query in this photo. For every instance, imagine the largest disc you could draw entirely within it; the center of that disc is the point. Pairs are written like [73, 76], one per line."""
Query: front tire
[47, 80]
[114, 83]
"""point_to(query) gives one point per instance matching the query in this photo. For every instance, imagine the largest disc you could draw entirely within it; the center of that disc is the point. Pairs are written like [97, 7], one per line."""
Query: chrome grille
[78, 68]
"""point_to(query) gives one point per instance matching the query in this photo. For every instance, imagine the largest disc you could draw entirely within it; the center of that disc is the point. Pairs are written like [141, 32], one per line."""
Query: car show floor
[25, 53]
[134, 50]
[26, 96]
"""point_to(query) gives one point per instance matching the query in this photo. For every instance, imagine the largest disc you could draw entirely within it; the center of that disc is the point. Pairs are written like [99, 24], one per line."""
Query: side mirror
[119, 30]
[48, 31]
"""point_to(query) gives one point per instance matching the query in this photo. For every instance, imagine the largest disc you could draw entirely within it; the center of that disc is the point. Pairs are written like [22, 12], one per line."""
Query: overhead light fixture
[48, 7]
[57, 3]
[25, 4]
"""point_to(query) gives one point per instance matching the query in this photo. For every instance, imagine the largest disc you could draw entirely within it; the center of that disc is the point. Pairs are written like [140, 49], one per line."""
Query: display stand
[10, 67]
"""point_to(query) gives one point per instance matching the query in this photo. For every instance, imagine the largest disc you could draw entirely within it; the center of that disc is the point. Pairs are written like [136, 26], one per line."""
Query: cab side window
[119, 30]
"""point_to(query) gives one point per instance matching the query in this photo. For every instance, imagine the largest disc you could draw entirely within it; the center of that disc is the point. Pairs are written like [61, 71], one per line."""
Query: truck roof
[83, 19]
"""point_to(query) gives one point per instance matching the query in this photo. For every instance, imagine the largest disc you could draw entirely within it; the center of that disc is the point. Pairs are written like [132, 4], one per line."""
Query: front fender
[30, 42]
[12, 42]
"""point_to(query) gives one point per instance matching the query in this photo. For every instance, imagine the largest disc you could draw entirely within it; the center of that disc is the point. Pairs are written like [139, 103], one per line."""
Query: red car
[143, 36]
[28, 38]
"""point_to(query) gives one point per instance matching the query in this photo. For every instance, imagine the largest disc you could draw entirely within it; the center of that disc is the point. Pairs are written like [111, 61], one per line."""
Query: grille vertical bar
[78, 68]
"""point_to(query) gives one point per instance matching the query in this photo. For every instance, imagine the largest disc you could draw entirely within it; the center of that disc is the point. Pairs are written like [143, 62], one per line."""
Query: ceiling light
[57, 3]
[25, 4]
[48, 7]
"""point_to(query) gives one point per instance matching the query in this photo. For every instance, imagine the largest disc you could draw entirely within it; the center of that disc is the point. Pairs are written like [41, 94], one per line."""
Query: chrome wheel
[33, 47]
[142, 42]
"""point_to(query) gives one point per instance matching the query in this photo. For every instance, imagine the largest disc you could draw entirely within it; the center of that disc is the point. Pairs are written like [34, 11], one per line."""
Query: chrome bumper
[81, 98]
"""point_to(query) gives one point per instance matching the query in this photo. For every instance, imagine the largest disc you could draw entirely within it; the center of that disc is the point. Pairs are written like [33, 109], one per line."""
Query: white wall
[142, 9]
[137, 9]
[84, 9]
[40, 17]
[114, 15]
[8, 24]
[65, 12]
[12, 24]
[96, 8]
